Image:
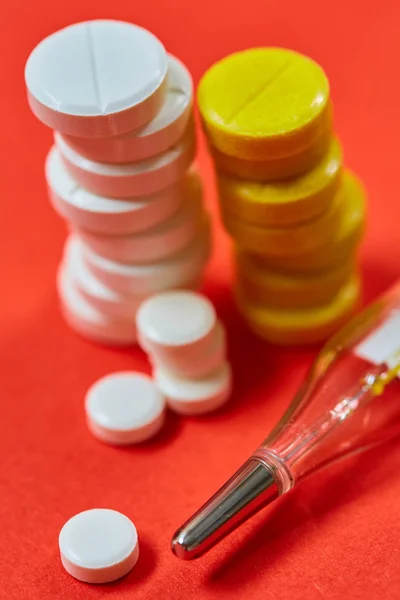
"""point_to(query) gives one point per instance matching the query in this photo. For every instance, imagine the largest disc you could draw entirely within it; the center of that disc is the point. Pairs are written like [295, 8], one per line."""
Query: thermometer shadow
[285, 528]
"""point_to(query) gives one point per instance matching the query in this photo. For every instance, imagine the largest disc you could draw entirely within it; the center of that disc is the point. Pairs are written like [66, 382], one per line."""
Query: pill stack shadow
[296, 215]
[119, 171]
[186, 344]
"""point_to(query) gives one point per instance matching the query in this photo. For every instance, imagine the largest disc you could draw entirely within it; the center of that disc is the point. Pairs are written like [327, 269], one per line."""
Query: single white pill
[195, 396]
[164, 131]
[176, 322]
[133, 179]
[109, 215]
[210, 359]
[97, 78]
[89, 322]
[100, 297]
[158, 243]
[179, 271]
[125, 408]
[98, 545]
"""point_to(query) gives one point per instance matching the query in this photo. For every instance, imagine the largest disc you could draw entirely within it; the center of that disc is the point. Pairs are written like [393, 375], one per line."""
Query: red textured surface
[337, 536]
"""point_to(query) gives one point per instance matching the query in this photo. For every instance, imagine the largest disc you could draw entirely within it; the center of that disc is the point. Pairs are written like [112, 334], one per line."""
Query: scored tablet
[155, 137]
[97, 78]
[264, 102]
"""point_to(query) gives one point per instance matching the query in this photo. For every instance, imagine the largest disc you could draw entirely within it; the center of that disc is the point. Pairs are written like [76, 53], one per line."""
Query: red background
[338, 535]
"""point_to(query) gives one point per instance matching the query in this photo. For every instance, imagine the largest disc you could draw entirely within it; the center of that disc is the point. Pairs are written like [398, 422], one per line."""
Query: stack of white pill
[119, 171]
[186, 343]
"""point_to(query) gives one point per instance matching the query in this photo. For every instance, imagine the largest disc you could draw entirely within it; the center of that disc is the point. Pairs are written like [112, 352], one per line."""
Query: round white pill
[109, 215]
[212, 357]
[158, 243]
[98, 545]
[179, 271]
[129, 180]
[100, 297]
[89, 322]
[195, 396]
[161, 133]
[176, 322]
[125, 408]
[97, 78]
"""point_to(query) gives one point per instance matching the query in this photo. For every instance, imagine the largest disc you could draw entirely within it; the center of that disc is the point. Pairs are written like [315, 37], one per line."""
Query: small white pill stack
[186, 343]
[119, 171]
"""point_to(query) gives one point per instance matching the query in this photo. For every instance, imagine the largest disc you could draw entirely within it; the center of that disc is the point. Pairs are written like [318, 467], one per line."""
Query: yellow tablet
[263, 103]
[287, 290]
[288, 202]
[303, 326]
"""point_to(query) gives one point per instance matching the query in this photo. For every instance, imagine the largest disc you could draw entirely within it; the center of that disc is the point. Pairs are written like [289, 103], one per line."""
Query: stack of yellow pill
[295, 213]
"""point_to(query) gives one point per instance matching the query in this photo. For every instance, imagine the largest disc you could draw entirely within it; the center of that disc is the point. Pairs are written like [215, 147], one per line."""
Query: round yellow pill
[273, 169]
[263, 103]
[341, 248]
[286, 202]
[303, 326]
[295, 239]
[282, 290]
